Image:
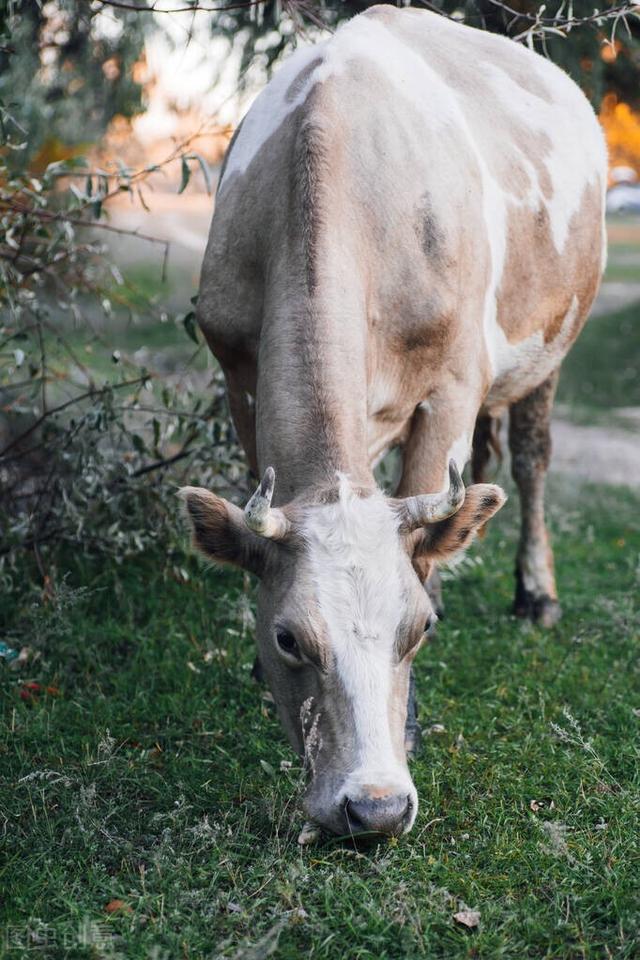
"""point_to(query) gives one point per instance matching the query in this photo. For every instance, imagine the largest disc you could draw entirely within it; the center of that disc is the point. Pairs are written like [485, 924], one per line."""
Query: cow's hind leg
[530, 445]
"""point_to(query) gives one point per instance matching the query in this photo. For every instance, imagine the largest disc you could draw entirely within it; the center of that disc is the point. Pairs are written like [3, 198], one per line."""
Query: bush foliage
[92, 440]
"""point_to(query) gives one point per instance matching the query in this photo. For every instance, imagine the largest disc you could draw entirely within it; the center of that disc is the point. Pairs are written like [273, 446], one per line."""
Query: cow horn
[430, 507]
[260, 516]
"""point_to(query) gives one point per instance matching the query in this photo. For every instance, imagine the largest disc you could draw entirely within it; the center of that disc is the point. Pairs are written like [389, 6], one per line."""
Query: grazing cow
[407, 239]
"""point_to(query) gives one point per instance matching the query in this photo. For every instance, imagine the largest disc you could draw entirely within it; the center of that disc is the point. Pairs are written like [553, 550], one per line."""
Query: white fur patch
[537, 575]
[271, 108]
[363, 38]
[520, 367]
[355, 556]
[577, 154]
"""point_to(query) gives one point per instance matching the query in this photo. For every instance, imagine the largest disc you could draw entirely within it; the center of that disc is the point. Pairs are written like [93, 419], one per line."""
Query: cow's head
[342, 612]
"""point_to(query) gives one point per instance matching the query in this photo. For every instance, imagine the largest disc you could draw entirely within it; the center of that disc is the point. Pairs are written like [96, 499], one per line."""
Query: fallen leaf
[436, 728]
[468, 918]
[31, 690]
[117, 906]
[604, 788]
[545, 803]
[23, 656]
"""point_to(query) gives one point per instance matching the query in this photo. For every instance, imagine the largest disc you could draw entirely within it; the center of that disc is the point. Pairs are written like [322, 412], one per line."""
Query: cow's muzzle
[391, 815]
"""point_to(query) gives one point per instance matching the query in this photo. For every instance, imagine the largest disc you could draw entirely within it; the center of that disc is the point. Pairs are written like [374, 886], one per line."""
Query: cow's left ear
[220, 531]
[439, 542]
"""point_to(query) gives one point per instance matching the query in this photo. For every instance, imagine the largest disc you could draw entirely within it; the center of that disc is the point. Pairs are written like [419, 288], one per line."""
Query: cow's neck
[312, 401]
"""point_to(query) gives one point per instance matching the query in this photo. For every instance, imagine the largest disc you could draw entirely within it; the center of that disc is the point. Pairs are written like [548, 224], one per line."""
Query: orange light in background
[610, 51]
[111, 68]
[140, 72]
[622, 129]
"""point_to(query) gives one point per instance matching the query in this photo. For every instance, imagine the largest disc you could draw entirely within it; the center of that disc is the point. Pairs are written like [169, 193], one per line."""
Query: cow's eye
[287, 643]
[430, 625]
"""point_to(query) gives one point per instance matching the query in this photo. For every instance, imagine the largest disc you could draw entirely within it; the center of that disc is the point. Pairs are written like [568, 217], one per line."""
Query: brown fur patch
[538, 281]
[428, 230]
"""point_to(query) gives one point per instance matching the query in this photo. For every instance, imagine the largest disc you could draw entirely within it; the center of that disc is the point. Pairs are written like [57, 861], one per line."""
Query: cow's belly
[527, 366]
[520, 367]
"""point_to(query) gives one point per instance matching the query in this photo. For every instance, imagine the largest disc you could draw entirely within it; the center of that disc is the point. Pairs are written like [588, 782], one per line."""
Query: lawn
[602, 371]
[149, 804]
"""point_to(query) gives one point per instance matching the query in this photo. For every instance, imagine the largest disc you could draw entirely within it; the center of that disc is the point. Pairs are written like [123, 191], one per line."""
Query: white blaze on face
[355, 557]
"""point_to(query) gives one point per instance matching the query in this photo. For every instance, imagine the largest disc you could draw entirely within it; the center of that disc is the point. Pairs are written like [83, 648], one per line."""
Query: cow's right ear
[440, 542]
[220, 531]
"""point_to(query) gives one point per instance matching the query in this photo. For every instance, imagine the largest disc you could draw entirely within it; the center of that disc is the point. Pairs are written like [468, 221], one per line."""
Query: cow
[408, 236]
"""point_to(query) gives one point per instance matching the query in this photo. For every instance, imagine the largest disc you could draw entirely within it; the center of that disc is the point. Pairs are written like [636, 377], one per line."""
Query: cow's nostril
[380, 814]
[354, 823]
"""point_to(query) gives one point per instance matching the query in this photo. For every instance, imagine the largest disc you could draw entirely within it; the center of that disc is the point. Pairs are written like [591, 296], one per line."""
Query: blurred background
[114, 118]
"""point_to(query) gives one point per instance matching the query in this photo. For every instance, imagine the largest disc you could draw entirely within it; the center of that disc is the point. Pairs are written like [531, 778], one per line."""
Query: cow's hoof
[547, 612]
[544, 610]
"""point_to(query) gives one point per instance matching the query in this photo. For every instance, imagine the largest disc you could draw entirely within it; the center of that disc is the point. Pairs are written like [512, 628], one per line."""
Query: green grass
[153, 776]
[602, 369]
[623, 262]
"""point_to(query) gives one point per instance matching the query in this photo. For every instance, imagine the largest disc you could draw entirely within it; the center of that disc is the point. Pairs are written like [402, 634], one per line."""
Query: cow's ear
[220, 532]
[441, 541]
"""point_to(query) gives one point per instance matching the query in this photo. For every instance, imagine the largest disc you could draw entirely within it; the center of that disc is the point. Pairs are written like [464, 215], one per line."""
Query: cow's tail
[486, 441]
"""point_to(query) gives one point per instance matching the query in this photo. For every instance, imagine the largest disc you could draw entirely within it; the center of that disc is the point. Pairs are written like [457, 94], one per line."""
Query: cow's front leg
[530, 445]
[241, 391]
[441, 429]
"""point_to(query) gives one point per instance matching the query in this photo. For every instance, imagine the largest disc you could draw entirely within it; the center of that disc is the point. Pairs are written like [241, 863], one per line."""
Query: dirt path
[614, 295]
[596, 454]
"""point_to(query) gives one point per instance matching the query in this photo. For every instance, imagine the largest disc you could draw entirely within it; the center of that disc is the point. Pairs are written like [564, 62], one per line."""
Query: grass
[623, 261]
[602, 369]
[151, 773]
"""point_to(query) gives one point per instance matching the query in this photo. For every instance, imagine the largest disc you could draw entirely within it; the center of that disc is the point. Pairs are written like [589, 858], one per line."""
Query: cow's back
[451, 177]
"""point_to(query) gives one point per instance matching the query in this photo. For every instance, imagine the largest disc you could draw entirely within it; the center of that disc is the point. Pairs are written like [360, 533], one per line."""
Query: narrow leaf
[186, 175]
